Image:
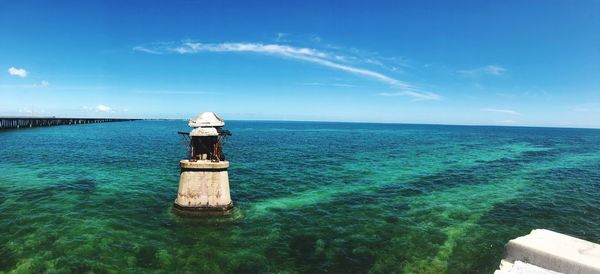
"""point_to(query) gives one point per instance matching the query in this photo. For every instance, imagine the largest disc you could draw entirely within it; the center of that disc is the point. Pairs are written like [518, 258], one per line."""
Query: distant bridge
[26, 122]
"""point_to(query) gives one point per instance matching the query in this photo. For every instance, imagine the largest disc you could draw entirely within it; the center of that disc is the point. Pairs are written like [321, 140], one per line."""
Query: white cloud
[45, 83]
[298, 53]
[503, 111]
[146, 50]
[494, 70]
[17, 72]
[103, 108]
[507, 121]
[417, 96]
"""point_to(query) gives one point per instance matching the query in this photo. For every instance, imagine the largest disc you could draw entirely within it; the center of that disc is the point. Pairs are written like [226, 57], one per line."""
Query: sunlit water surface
[309, 197]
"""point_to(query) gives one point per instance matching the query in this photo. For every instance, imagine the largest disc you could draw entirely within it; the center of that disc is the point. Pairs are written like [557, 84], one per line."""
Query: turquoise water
[309, 197]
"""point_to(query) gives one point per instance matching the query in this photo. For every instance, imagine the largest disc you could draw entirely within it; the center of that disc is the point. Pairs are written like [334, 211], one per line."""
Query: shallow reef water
[310, 197]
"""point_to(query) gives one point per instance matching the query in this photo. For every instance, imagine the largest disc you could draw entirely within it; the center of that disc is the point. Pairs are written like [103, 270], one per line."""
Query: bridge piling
[30, 122]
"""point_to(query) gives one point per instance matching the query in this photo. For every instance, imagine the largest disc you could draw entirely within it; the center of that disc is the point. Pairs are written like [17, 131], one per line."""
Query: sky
[522, 63]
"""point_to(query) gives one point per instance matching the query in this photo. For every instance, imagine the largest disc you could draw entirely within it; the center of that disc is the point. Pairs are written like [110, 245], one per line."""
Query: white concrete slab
[553, 251]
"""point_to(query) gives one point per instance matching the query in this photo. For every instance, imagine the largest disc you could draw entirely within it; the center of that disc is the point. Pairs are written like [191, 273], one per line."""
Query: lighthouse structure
[204, 182]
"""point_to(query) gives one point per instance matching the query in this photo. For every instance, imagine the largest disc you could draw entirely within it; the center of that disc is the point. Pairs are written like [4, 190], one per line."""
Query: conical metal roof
[207, 119]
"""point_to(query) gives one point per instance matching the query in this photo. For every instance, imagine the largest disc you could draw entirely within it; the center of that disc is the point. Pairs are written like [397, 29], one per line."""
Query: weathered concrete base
[203, 211]
[203, 189]
[551, 251]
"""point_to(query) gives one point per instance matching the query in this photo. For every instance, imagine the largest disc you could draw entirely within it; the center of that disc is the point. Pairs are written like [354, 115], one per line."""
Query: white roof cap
[207, 119]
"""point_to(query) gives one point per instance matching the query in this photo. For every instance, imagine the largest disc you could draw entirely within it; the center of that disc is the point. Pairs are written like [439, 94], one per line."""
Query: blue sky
[454, 62]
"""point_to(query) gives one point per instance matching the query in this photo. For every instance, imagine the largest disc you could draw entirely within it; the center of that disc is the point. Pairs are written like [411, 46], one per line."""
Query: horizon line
[311, 121]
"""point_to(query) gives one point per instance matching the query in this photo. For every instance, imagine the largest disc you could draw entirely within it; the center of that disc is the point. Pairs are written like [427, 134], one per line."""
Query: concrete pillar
[203, 188]
[545, 251]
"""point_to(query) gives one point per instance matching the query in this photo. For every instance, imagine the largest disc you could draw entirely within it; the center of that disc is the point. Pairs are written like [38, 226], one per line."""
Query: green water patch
[412, 224]
[310, 198]
[475, 202]
[3, 195]
[425, 229]
[558, 199]
[455, 212]
[390, 172]
[563, 199]
[7, 259]
[85, 218]
[393, 200]
[324, 154]
[327, 241]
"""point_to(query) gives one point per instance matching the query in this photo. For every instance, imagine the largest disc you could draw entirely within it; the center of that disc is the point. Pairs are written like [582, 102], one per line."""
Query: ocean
[309, 197]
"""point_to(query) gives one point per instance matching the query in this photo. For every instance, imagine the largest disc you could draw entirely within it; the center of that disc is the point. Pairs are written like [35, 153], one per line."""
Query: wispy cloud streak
[146, 50]
[305, 54]
[285, 51]
[503, 111]
[494, 70]
[417, 96]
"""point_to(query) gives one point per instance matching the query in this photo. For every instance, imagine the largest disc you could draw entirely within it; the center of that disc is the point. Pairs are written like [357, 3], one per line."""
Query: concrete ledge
[553, 251]
[203, 211]
[203, 164]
